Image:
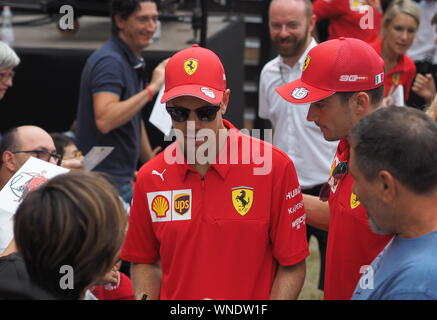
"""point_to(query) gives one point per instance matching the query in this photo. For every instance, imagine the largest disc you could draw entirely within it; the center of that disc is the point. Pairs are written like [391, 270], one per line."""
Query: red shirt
[350, 18]
[222, 236]
[403, 73]
[351, 243]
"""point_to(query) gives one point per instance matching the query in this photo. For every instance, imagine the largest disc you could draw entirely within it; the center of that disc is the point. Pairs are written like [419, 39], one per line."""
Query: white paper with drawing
[159, 116]
[95, 156]
[31, 175]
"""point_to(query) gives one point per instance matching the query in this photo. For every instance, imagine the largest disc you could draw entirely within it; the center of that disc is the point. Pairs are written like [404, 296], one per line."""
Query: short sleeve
[107, 76]
[288, 226]
[140, 245]
[263, 100]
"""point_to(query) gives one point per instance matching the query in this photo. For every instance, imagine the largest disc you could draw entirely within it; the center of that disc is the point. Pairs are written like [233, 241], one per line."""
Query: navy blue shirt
[112, 68]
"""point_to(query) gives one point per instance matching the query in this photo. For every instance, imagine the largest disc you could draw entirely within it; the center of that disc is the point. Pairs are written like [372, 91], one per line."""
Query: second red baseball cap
[340, 65]
[197, 72]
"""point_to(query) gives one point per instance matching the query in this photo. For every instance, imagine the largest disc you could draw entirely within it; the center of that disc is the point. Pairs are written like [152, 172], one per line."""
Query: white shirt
[302, 140]
[424, 43]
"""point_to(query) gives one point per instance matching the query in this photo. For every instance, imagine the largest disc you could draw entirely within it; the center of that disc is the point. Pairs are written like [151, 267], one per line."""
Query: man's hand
[73, 163]
[158, 76]
[424, 86]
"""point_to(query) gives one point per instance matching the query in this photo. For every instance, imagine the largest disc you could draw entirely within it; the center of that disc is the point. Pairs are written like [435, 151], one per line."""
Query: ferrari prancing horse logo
[190, 66]
[242, 199]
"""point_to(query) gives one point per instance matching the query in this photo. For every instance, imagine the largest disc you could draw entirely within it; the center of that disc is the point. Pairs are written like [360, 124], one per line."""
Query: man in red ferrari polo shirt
[343, 81]
[215, 224]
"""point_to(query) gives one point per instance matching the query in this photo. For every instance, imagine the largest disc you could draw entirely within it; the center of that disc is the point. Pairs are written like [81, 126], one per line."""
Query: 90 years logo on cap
[299, 93]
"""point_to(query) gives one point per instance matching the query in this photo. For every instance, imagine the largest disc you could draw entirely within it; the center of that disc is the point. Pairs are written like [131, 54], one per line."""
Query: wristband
[150, 92]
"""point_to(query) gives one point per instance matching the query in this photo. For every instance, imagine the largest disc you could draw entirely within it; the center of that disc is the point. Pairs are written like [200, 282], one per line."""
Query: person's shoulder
[158, 163]
[278, 156]
[272, 64]
[106, 53]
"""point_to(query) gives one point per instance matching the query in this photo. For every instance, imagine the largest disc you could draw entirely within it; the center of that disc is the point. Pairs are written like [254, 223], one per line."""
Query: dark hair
[75, 219]
[8, 142]
[124, 8]
[376, 96]
[401, 140]
[61, 142]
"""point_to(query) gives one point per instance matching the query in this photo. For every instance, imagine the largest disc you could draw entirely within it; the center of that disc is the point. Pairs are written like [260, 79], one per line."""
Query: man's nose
[312, 113]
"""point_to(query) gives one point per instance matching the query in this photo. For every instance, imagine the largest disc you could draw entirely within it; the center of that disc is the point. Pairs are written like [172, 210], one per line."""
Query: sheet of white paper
[95, 156]
[31, 175]
[159, 117]
[398, 96]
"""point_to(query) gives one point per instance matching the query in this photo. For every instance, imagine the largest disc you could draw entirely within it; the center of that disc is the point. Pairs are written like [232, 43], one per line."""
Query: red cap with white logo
[340, 65]
[197, 72]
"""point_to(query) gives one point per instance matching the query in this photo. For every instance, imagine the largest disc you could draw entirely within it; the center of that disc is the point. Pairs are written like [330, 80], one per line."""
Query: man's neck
[291, 61]
[136, 51]
[420, 216]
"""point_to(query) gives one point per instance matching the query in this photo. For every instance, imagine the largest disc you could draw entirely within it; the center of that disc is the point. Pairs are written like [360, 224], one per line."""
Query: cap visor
[208, 94]
[300, 92]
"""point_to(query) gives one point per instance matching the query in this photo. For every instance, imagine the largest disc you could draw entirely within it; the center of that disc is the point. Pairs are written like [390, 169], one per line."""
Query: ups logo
[182, 203]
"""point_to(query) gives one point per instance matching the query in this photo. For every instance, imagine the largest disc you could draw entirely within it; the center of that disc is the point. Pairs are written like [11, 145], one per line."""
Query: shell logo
[160, 206]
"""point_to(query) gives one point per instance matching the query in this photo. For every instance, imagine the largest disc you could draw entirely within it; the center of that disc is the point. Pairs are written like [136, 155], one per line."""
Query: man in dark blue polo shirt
[112, 93]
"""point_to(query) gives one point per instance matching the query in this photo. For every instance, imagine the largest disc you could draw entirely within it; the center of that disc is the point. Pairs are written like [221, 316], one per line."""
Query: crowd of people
[351, 164]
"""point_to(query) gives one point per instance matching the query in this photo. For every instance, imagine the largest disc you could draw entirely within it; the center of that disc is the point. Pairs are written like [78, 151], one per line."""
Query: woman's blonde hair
[396, 7]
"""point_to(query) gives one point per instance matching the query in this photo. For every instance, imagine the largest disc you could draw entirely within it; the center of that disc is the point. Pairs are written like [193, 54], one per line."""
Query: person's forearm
[116, 113]
[317, 212]
[288, 282]
[146, 280]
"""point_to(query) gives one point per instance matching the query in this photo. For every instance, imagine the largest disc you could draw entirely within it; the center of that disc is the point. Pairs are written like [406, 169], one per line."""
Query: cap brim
[300, 92]
[208, 94]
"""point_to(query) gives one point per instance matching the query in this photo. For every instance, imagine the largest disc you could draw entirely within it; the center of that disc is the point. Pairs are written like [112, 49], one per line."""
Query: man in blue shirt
[393, 157]
[112, 93]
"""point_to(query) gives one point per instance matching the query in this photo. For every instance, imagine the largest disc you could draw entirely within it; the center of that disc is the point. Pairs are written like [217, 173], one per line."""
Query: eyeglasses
[205, 114]
[44, 155]
[5, 76]
[339, 172]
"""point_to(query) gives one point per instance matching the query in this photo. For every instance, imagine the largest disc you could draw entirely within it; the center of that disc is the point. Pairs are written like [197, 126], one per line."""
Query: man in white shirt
[291, 23]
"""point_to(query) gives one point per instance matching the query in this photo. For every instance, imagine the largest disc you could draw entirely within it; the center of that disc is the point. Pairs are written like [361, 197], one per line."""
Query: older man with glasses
[215, 229]
[17, 146]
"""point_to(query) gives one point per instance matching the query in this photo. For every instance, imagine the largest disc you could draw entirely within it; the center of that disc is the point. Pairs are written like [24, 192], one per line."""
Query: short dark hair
[61, 142]
[401, 140]
[8, 142]
[124, 8]
[376, 96]
[75, 219]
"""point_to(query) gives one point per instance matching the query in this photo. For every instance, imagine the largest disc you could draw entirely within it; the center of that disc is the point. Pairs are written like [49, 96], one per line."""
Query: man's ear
[362, 104]
[8, 161]
[225, 101]
[387, 185]
[119, 21]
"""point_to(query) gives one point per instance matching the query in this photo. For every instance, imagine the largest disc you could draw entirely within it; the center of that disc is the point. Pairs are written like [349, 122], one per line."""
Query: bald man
[17, 146]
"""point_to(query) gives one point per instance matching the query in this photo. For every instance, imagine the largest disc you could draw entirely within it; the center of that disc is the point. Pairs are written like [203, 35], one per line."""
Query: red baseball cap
[339, 65]
[196, 72]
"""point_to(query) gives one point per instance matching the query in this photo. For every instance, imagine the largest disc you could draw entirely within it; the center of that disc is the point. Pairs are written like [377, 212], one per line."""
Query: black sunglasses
[205, 114]
[43, 155]
[339, 172]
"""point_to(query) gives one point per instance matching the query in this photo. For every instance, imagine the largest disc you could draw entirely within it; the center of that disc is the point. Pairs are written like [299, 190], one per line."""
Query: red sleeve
[327, 9]
[288, 228]
[410, 73]
[140, 245]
